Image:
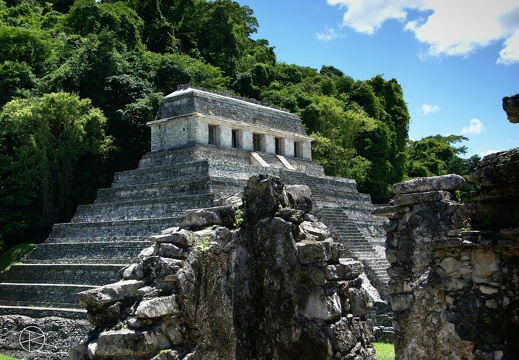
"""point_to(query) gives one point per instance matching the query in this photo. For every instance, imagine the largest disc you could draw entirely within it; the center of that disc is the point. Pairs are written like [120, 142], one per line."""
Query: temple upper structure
[193, 116]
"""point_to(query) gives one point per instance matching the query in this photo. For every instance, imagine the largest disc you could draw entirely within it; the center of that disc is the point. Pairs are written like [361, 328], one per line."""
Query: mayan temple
[204, 146]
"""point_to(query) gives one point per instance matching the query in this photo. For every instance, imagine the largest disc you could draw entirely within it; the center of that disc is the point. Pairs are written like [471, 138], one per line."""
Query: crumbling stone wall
[454, 274]
[257, 277]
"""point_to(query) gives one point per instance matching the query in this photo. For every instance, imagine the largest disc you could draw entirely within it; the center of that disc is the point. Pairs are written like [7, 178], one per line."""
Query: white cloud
[426, 109]
[366, 16]
[456, 27]
[329, 35]
[475, 127]
[510, 53]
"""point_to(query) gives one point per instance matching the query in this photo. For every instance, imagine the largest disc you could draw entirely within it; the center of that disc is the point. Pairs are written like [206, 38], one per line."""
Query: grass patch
[3, 357]
[13, 255]
[385, 351]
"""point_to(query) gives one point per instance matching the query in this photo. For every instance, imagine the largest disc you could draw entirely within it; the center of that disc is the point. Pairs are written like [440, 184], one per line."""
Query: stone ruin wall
[276, 287]
[454, 274]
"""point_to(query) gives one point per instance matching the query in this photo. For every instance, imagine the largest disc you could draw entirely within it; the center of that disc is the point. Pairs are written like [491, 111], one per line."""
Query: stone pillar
[200, 133]
[225, 136]
[306, 150]
[288, 147]
[268, 144]
[247, 140]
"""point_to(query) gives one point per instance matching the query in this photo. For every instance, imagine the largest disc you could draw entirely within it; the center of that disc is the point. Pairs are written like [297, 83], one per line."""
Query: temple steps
[141, 209]
[293, 177]
[82, 240]
[41, 295]
[168, 189]
[357, 244]
[331, 190]
[86, 253]
[37, 312]
[91, 274]
[159, 175]
[113, 229]
[225, 186]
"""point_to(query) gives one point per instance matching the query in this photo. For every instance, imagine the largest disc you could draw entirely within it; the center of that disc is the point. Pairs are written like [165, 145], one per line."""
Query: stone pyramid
[204, 146]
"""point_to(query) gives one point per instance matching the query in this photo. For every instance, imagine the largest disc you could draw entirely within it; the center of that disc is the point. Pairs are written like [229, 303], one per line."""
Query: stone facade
[454, 290]
[254, 278]
[191, 115]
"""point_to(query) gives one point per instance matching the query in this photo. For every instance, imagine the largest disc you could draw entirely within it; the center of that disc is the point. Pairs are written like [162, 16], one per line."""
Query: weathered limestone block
[270, 190]
[511, 107]
[401, 302]
[485, 263]
[347, 269]
[299, 197]
[168, 250]
[167, 355]
[178, 237]
[345, 340]
[355, 299]
[200, 218]
[109, 294]
[292, 215]
[417, 198]
[433, 183]
[125, 343]
[321, 305]
[317, 230]
[158, 307]
[235, 201]
[174, 332]
[314, 251]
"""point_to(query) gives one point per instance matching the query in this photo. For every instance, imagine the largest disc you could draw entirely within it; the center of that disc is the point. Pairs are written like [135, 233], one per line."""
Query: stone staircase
[375, 263]
[107, 235]
[102, 238]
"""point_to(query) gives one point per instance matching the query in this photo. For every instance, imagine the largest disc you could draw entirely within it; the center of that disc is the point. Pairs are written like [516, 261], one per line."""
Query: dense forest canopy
[79, 79]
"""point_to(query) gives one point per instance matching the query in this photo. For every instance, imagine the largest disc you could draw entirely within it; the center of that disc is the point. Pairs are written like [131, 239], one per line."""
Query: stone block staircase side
[102, 238]
[348, 233]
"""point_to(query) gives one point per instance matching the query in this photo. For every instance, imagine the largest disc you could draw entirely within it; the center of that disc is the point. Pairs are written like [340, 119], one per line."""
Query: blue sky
[454, 59]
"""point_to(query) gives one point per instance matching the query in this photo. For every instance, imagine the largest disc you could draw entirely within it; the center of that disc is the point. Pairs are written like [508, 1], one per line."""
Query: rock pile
[257, 277]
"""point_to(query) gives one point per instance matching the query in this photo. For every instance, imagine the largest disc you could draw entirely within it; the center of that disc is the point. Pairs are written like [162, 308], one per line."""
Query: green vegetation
[385, 351]
[13, 255]
[204, 244]
[239, 219]
[4, 357]
[79, 80]
[437, 155]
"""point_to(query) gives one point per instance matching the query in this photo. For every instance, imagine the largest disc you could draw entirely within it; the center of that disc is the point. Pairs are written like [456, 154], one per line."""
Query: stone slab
[422, 184]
